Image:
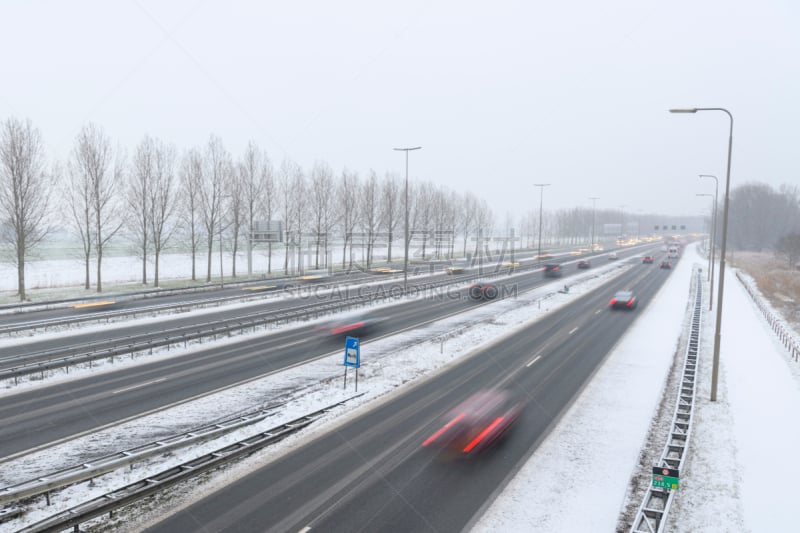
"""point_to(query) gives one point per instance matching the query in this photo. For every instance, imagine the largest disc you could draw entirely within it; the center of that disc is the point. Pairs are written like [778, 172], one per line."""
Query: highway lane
[371, 474]
[49, 414]
[74, 341]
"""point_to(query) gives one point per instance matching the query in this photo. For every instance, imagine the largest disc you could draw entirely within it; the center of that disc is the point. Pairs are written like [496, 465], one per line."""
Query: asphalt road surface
[372, 474]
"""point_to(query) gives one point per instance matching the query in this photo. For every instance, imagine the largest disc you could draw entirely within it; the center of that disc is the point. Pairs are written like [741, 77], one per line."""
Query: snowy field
[739, 466]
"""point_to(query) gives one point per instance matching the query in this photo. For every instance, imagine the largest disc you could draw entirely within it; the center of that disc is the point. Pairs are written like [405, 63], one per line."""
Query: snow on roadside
[386, 365]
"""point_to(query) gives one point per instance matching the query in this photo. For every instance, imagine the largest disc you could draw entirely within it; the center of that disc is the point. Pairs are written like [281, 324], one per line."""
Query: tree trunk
[210, 254]
[21, 274]
[99, 269]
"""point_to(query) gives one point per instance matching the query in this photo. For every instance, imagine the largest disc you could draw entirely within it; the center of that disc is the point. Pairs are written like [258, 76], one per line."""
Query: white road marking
[573, 331]
[138, 386]
[305, 529]
[533, 360]
[598, 311]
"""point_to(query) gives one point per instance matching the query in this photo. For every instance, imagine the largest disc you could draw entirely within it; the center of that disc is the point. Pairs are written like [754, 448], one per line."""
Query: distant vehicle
[584, 264]
[623, 300]
[647, 259]
[612, 256]
[672, 252]
[552, 270]
[482, 291]
[665, 264]
[455, 269]
[314, 276]
[386, 270]
[510, 264]
[477, 423]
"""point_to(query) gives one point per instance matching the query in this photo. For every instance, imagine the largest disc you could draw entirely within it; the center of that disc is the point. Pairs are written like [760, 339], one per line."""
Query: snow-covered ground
[739, 468]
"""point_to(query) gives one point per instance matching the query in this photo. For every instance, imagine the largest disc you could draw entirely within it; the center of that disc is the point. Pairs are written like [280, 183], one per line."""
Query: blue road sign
[352, 352]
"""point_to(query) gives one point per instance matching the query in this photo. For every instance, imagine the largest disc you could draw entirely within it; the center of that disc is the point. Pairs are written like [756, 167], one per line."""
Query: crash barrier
[778, 324]
[101, 465]
[39, 362]
[651, 517]
[119, 498]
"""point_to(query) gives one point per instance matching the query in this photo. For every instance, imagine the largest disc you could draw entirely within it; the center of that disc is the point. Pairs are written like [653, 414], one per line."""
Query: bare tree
[79, 195]
[140, 183]
[251, 170]
[347, 198]
[24, 191]
[162, 204]
[299, 192]
[788, 249]
[270, 201]
[467, 217]
[216, 168]
[237, 209]
[370, 216]
[424, 219]
[100, 173]
[289, 179]
[390, 208]
[321, 189]
[191, 201]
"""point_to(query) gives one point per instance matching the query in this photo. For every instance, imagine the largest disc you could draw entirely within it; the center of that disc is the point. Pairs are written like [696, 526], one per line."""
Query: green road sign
[665, 478]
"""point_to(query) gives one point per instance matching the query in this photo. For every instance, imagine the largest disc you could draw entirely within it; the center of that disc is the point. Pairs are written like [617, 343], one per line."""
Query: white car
[612, 255]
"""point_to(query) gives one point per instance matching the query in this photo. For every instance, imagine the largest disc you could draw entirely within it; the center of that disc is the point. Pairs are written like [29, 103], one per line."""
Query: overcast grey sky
[500, 95]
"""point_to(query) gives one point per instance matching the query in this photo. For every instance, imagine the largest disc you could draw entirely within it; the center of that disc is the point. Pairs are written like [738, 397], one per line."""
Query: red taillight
[630, 302]
[482, 435]
[348, 327]
[442, 429]
[613, 301]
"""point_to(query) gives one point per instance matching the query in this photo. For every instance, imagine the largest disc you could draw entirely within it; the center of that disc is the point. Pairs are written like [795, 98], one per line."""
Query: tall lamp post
[717, 333]
[594, 200]
[541, 195]
[405, 256]
[713, 235]
[711, 245]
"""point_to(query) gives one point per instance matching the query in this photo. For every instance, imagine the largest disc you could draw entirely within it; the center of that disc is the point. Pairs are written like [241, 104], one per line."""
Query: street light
[541, 195]
[405, 260]
[710, 244]
[713, 235]
[594, 200]
[717, 333]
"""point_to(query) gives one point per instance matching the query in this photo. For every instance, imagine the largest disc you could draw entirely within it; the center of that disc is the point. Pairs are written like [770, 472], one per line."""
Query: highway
[371, 474]
[50, 414]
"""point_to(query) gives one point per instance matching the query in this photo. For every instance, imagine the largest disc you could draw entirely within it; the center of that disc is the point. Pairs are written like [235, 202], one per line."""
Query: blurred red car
[350, 324]
[647, 259]
[477, 423]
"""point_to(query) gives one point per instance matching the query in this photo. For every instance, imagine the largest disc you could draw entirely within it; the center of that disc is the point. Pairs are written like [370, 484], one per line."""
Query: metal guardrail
[124, 496]
[652, 513]
[101, 465]
[778, 325]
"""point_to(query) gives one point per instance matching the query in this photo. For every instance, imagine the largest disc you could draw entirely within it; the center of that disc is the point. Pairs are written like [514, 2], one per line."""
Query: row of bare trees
[159, 200]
